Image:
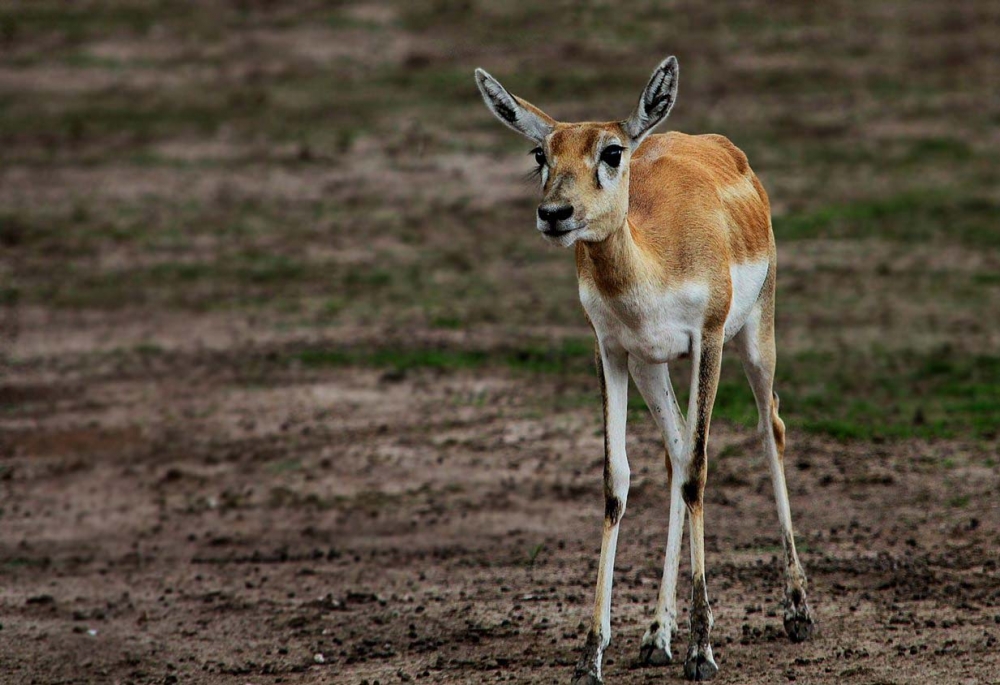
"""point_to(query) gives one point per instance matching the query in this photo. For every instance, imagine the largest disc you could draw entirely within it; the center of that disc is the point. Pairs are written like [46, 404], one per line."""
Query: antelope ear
[655, 101]
[518, 114]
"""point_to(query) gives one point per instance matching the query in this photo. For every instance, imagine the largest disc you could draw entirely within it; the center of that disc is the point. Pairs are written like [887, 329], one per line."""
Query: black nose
[554, 214]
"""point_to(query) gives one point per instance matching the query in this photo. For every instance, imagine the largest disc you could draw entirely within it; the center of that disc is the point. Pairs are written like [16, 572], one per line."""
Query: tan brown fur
[671, 232]
[536, 111]
[778, 428]
[683, 212]
[694, 207]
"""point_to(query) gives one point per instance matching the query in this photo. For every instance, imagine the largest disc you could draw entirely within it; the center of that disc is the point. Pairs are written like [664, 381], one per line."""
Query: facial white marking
[607, 176]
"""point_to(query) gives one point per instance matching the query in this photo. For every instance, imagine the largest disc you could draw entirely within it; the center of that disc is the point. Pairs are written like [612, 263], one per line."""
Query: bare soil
[272, 405]
[171, 518]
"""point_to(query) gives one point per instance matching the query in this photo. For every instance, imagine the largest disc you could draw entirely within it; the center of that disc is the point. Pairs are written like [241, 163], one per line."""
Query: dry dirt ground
[286, 372]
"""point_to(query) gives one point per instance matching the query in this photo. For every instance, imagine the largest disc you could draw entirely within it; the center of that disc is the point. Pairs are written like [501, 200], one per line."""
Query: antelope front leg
[613, 370]
[653, 381]
[705, 368]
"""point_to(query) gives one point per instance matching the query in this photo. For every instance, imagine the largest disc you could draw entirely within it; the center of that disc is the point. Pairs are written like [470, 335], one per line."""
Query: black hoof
[700, 667]
[584, 678]
[588, 668]
[800, 625]
[651, 655]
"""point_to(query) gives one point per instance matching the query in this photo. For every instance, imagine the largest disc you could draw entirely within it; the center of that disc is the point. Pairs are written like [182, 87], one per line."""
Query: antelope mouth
[557, 232]
[562, 230]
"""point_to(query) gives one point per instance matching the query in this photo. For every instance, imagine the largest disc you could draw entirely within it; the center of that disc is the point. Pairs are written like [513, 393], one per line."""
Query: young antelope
[675, 257]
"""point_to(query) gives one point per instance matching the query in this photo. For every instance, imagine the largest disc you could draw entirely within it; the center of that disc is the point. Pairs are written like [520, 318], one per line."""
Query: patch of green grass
[285, 466]
[9, 295]
[244, 278]
[569, 356]
[76, 23]
[870, 395]
[147, 349]
[909, 217]
[263, 269]
[25, 562]
[937, 150]
[901, 394]
[46, 233]
[534, 552]
[959, 501]
[79, 22]
[77, 119]
[447, 322]
[800, 547]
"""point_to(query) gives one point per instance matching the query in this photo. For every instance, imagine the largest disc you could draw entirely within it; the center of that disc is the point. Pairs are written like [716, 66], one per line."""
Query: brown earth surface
[290, 392]
[171, 518]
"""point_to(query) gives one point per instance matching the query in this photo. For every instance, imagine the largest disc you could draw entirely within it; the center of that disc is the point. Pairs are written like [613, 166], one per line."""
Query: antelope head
[583, 167]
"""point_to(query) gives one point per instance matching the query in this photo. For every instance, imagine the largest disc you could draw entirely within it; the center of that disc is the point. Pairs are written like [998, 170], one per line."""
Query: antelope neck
[617, 260]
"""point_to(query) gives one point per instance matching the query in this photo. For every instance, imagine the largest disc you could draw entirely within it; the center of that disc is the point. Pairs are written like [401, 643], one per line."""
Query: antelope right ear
[518, 114]
[655, 101]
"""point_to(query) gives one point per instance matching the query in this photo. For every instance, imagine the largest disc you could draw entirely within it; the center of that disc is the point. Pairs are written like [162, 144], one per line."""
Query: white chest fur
[655, 325]
[658, 324]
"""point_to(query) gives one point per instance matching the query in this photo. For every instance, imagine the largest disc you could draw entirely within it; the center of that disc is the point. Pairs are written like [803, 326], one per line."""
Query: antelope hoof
[799, 623]
[588, 669]
[654, 650]
[586, 678]
[651, 655]
[700, 665]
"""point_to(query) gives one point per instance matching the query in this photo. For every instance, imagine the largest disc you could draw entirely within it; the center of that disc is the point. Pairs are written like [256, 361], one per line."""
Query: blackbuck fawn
[675, 257]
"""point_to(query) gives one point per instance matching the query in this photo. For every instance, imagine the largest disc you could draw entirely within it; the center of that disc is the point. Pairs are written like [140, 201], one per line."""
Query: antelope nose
[552, 214]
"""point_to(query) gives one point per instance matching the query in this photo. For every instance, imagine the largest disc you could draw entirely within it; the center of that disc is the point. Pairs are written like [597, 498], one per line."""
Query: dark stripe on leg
[700, 623]
[613, 508]
[691, 492]
[707, 382]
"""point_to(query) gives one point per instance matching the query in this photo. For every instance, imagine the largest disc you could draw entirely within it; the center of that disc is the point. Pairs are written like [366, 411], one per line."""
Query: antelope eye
[612, 155]
[539, 156]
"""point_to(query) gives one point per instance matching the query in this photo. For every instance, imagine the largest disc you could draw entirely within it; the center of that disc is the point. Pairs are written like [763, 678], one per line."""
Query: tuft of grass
[959, 501]
[938, 150]
[872, 395]
[907, 217]
[568, 356]
[285, 466]
[75, 23]
[9, 296]
[25, 562]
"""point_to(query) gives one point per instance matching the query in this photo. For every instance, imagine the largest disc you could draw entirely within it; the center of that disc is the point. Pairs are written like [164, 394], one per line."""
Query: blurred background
[291, 390]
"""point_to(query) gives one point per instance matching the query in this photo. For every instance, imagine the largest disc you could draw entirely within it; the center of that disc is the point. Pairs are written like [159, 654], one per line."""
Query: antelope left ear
[518, 114]
[655, 101]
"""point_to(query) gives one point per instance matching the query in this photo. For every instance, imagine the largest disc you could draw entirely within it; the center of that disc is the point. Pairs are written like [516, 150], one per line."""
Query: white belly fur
[658, 325]
[747, 279]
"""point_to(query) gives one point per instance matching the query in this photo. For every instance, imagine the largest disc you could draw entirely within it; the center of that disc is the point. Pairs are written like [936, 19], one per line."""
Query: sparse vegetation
[286, 370]
[873, 394]
[925, 216]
